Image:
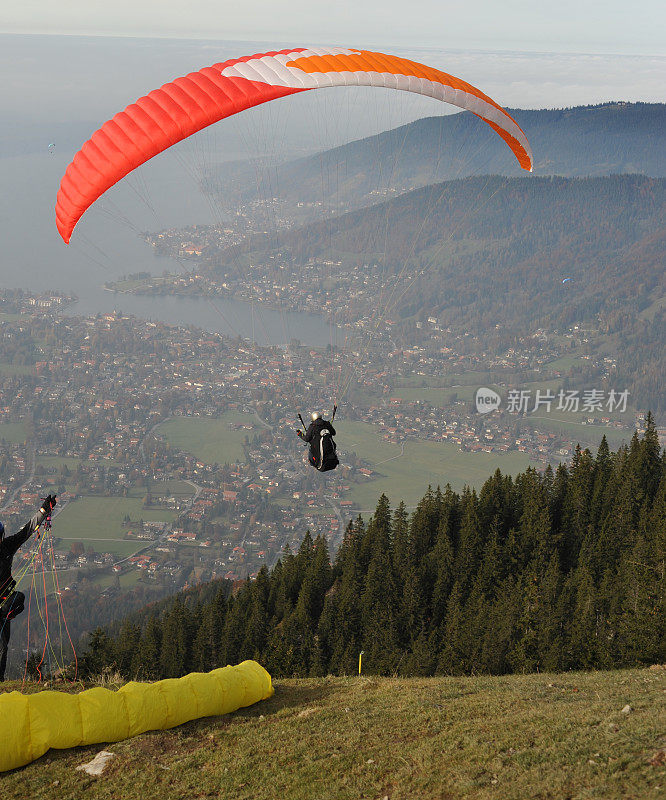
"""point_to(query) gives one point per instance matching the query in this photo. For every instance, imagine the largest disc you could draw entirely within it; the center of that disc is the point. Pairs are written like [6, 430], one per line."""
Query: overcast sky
[586, 26]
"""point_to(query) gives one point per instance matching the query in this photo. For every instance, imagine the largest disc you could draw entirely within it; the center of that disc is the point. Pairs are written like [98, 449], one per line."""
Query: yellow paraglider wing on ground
[32, 724]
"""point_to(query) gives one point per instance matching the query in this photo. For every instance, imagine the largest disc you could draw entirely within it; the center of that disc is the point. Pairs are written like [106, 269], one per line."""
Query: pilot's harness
[324, 432]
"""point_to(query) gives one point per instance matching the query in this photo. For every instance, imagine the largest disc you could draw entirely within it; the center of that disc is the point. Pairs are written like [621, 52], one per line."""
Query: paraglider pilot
[11, 601]
[319, 435]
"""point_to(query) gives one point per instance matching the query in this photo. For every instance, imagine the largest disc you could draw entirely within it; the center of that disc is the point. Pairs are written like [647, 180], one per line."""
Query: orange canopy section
[189, 104]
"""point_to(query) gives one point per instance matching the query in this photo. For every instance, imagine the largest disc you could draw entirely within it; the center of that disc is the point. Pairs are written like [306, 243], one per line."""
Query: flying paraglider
[319, 435]
[52, 148]
[190, 103]
[566, 280]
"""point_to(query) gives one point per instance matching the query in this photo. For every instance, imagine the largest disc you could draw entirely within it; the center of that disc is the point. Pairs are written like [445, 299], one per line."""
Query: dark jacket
[322, 453]
[314, 430]
[10, 544]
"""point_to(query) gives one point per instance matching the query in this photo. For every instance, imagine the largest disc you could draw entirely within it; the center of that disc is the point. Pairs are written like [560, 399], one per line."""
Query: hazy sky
[586, 26]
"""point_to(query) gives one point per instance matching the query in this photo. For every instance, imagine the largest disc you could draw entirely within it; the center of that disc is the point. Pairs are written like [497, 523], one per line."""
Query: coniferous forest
[541, 572]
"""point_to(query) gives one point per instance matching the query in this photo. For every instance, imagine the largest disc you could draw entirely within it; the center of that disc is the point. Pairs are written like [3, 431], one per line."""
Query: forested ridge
[597, 140]
[495, 250]
[488, 256]
[554, 571]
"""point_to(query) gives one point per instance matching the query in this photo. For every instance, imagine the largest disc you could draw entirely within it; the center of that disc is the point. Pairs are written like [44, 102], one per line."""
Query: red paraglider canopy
[189, 104]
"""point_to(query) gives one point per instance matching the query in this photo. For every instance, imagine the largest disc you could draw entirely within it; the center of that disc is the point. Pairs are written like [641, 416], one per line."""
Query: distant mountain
[583, 141]
[492, 251]
[502, 246]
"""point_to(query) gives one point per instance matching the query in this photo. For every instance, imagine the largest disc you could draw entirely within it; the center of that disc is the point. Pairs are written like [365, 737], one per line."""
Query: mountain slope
[489, 257]
[582, 141]
[495, 250]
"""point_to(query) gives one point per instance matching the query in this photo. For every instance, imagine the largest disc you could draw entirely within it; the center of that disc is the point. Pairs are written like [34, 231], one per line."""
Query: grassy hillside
[545, 736]
[13, 432]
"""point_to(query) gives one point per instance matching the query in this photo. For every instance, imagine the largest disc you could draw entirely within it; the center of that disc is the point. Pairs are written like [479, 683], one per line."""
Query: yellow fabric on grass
[31, 724]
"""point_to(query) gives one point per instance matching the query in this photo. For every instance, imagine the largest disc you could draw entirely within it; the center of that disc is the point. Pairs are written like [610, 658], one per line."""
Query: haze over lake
[61, 88]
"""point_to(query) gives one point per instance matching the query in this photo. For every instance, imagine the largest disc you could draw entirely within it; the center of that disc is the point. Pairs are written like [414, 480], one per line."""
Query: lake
[104, 248]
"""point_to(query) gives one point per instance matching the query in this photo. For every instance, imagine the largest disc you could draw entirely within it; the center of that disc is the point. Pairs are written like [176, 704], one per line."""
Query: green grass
[563, 364]
[423, 463]
[210, 440]
[471, 378]
[579, 433]
[98, 521]
[13, 432]
[128, 580]
[45, 465]
[57, 462]
[480, 738]
[437, 396]
[16, 369]
[174, 488]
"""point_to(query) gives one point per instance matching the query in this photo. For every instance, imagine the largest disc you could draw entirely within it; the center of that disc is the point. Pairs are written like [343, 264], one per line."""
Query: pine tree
[501, 621]
[176, 641]
[339, 630]
[451, 659]
[256, 629]
[316, 583]
[470, 545]
[235, 623]
[400, 541]
[645, 459]
[99, 655]
[146, 661]
[603, 468]
[532, 537]
[127, 644]
[582, 648]
[524, 653]
[378, 532]
[303, 560]
[557, 500]
[378, 604]
[641, 625]
[217, 617]
[496, 504]
[424, 654]
[423, 527]
[618, 529]
[551, 626]
[576, 507]
[279, 603]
